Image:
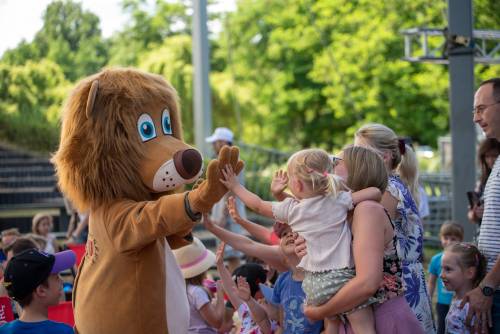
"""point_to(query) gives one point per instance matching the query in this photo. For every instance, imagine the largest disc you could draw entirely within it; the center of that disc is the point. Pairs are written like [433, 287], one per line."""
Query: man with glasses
[484, 301]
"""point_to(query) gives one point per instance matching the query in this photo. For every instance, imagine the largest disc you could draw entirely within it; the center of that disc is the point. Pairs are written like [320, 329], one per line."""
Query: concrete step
[28, 181]
[27, 195]
[25, 162]
[33, 171]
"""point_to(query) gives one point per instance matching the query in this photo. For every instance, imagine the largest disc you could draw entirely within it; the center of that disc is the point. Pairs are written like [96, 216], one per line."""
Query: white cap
[220, 134]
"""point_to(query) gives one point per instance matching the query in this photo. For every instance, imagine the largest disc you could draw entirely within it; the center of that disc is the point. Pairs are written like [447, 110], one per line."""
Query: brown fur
[99, 158]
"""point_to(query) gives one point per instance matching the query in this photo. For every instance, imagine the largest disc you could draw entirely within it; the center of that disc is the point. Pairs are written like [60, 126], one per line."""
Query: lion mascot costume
[122, 158]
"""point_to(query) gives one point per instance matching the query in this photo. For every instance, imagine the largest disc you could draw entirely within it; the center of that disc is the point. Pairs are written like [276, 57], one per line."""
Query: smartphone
[473, 198]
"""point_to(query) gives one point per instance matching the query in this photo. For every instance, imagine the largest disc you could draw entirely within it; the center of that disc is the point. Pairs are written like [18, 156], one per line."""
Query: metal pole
[201, 85]
[463, 135]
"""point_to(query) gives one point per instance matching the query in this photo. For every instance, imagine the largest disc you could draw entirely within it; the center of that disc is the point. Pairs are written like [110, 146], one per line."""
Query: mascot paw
[211, 190]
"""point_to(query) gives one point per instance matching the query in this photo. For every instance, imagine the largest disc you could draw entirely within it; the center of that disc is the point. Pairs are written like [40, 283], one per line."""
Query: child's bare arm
[367, 194]
[225, 276]
[259, 232]
[258, 313]
[251, 200]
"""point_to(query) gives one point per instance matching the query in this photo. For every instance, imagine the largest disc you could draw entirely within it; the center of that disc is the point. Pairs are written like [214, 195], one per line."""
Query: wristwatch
[487, 291]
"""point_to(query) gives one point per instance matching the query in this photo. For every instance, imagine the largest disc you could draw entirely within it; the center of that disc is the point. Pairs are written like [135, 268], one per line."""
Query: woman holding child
[376, 254]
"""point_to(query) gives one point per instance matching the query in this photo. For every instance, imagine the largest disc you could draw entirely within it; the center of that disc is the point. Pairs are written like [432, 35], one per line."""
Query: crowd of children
[297, 276]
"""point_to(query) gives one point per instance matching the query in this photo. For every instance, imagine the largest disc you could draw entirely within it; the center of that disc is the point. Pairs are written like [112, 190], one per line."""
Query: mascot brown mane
[122, 158]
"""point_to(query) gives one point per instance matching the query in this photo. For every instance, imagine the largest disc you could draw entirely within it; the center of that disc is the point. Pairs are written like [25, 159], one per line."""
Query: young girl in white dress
[317, 211]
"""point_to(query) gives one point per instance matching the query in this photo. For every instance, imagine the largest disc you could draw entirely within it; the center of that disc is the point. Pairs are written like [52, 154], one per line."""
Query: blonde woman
[401, 201]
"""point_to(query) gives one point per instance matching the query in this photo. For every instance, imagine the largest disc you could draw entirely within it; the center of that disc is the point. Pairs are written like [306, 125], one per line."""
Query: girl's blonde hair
[314, 167]
[470, 256]
[404, 160]
[37, 219]
[365, 168]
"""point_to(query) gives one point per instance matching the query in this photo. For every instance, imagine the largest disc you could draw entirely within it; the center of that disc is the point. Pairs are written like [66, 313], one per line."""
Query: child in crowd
[450, 233]
[195, 260]
[42, 225]
[32, 279]
[318, 212]
[243, 292]
[463, 267]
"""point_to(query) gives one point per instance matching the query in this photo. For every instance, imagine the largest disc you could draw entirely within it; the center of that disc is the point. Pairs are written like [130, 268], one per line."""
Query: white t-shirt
[197, 298]
[321, 221]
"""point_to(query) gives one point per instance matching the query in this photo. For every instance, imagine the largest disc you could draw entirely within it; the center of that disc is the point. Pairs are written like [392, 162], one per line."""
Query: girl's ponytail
[408, 170]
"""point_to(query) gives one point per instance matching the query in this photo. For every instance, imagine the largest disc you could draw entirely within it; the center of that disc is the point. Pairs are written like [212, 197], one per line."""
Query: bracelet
[187, 207]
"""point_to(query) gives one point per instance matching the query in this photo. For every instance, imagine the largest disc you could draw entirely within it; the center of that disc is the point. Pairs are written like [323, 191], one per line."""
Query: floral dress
[409, 233]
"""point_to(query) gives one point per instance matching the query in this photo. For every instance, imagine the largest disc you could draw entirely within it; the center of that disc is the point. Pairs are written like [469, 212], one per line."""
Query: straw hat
[194, 259]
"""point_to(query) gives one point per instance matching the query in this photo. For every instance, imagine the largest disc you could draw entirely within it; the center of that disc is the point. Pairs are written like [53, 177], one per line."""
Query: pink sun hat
[194, 259]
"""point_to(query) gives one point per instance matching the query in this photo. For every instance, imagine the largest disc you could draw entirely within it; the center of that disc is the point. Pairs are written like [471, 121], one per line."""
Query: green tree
[30, 99]
[70, 37]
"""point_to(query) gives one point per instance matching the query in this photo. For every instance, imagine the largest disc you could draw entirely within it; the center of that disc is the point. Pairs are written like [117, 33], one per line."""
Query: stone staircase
[28, 186]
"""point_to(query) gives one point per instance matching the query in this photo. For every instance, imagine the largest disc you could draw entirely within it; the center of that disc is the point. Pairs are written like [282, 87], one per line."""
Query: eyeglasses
[480, 109]
[336, 160]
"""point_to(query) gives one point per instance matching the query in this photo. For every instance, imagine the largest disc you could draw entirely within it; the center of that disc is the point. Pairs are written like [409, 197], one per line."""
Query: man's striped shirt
[489, 236]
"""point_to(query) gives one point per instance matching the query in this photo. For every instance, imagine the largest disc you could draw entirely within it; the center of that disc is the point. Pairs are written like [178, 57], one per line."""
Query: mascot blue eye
[146, 127]
[165, 122]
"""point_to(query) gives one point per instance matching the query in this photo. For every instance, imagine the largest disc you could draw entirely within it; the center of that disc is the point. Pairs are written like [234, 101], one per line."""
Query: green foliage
[30, 96]
[70, 37]
[284, 74]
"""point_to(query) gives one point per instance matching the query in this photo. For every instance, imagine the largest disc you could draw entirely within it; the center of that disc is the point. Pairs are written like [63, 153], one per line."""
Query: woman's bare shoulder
[368, 205]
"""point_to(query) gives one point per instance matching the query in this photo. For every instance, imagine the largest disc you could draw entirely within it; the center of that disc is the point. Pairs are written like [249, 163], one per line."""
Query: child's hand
[219, 256]
[230, 180]
[300, 247]
[243, 288]
[233, 211]
[279, 182]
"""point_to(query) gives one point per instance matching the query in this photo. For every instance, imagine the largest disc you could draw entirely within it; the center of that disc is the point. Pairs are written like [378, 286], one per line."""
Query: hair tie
[325, 173]
[402, 146]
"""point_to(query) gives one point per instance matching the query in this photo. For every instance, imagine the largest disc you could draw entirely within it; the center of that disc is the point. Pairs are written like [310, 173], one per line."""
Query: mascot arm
[211, 190]
[133, 225]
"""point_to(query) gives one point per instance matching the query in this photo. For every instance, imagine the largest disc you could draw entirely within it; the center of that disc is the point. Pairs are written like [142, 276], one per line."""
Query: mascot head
[121, 138]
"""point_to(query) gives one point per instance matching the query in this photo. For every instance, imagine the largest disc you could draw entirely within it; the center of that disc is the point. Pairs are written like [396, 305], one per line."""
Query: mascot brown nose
[188, 163]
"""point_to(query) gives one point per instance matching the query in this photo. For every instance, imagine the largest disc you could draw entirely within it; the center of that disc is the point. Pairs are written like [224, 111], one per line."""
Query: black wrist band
[193, 216]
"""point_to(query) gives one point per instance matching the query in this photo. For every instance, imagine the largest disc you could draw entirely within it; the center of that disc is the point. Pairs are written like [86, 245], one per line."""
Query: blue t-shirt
[289, 294]
[443, 296]
[40, 327]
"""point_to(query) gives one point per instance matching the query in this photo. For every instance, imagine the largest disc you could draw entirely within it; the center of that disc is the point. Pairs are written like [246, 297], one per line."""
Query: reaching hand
[219, 255]
[243, 289]
[230, 180]
[211, 190]
[300, 247]
[233, 211]
[279, 182]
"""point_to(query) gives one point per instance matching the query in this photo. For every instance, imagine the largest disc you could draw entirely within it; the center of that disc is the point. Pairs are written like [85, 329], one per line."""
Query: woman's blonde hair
[365, 168]
[37, 219]
[404, 160]
[314, 167]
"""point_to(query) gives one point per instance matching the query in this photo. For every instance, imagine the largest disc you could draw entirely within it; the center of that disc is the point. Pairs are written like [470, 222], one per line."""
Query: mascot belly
[122, 158]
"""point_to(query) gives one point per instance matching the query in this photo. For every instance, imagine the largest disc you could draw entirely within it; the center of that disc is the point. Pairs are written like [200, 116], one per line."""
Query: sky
[21, 19]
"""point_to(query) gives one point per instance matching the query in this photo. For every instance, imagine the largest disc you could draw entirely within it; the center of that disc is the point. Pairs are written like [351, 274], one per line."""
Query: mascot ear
[91, 98]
